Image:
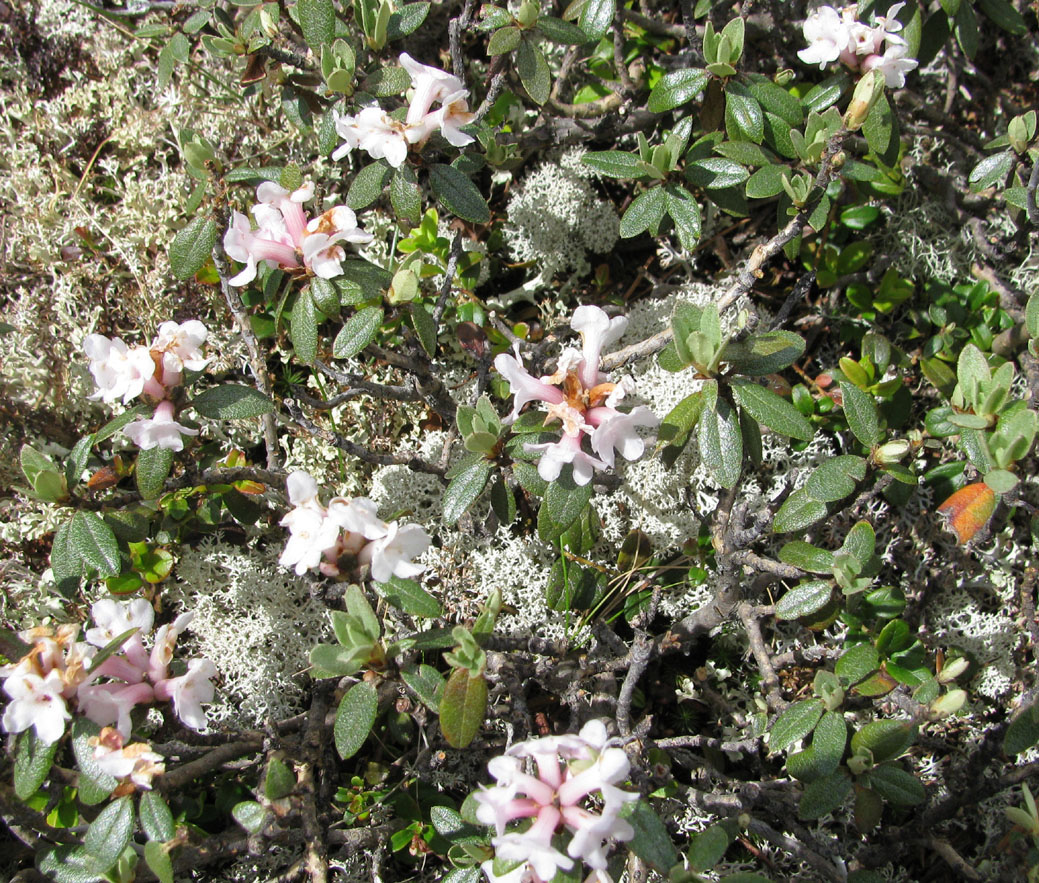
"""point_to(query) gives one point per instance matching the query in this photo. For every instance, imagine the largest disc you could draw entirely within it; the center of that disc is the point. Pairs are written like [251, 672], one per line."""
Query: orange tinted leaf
[968, 510]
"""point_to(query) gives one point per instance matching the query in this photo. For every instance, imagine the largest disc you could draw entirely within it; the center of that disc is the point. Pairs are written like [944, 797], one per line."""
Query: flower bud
[953, 669]
[867, 93]
[949, 704]
[891, 452]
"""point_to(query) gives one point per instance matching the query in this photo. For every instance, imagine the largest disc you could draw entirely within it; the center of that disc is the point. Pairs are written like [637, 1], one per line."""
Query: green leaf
[458, 194]
[804, 599]
[857, 664]
[1004, 14]
[881, 132]
[828, 741]
[564, 501]
[32, 763]
[304, 330]
[559, 31]
[776, 413]
[1023, 731]
[796, 722]
[533, 71]
[109, 834]
[76, 461]
[367, 185]
[860, 542]
[425, 327]
[744, 120]
[685, 212]
[826, 93]
[93, 542]
[232, 401]
[617, 164]
[966, 29]
[896, 786]
[652, 842]
[798, 512]
[94, 783]
[152, 469]
[325, 296]
[279, 782]
[765, 353]
[65, 564]
[886, 739]
[406, 196]
[836, 478]
[708, 847]
[426, 683]
[862, 415]
[806, 556]
[824, 795]
[716, 173]
[992, 171]
[464, 488]
[355, 718]
[596, 18]
[192, 246]
[317, 20]
[409, 596]
[357, 332]
[462, 707]
[117, 423]
[406, 19]
[720, 440]
[158, 860]
[766, 182]
[775, 99]
[156, 818]
[676, 88]
[645, 213]
[679, 422]
[504, 40]
[250, 815]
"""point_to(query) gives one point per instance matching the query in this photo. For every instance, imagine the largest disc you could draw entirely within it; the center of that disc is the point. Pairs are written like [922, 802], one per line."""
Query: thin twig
[638, 658]
[449, 277]
[208, 763]
[769, 680]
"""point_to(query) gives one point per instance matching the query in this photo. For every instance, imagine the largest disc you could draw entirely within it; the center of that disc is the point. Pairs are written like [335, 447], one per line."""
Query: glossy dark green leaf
[109, 834]
[652, 842]
[992, 171]
[94, 783]
[804, 599]
[881, 132]
[676, 88]
[798, 511]
[32, 763]
[824, 795]
[1023, 731]
[744, 119]
[368, 184]
[806, 556]
[406, 196]
[409, 596]
[886, 739]
[426, 683]
[765, 353]
[93, 542]
[464, 489]
[156, 818]
[406, 19]
[192, 246]
[721, 441]
[774, 412]
[836, 478]
[645, 213]
[685, 212]
[533, 71]
[716, 173]
[617, 164]
[304, 330]
[559, 31]
[596, 18]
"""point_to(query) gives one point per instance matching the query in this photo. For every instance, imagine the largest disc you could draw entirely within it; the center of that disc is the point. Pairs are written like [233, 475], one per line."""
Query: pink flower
[112, 703]
[569, 769]
[285, 237]
[36, 702]
[121, 372]
[159, 431]
[834, 35]
[585, 405]
[136, 762]
[827, 34]
[893, 64]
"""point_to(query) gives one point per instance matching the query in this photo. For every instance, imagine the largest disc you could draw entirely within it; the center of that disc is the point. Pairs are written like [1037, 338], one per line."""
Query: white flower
[828, 35]
[617, 430]
[392, 554]
[373, 131]
[597, 332]
[321, 252]
[136, 761]
[358, 516]
[181, 347]
[120, 372]
[160, 431]
[893, 64]
[189, 691]
[107, 704]
[429, 84]
[112, 618]
[311, 532]
[555, 455]
[36, 702]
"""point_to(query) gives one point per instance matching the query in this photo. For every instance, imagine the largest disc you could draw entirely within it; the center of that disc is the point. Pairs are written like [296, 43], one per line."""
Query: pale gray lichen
[557, 218]
[256, 621]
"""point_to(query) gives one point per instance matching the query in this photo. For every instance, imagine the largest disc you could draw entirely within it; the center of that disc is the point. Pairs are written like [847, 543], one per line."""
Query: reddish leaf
[968, 510]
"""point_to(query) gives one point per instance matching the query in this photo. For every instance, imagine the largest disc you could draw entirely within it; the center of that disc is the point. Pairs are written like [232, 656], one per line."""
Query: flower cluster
[569, 769]
[834, 35]
[60, 670]
[321, 537]
[584, 402]
[383, 137]
[285, 237]
[126, 372]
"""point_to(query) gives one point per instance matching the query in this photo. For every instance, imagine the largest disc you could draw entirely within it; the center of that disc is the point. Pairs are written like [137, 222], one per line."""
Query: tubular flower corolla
[584, 402]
